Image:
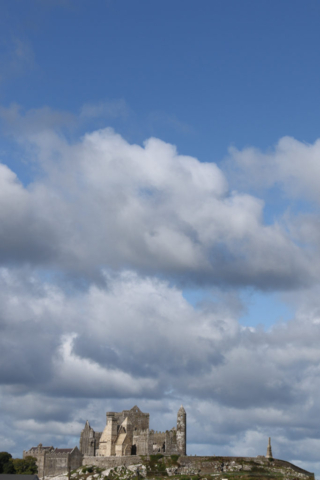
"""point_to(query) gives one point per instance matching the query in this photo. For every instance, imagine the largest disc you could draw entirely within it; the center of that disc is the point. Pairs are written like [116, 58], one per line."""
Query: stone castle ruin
[127, 442]
[127, 433]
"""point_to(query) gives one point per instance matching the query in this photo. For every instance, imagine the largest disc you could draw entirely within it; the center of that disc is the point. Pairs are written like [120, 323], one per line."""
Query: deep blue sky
[234, 72]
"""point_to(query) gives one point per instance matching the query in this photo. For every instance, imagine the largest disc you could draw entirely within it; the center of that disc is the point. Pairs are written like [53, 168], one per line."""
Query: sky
[159, 221]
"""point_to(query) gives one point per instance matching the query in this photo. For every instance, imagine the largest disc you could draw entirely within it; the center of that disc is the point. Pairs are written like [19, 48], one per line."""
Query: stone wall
[141, 442]
[89, 440]
[56, 463]
[52, 461]
[39, 453]
[75, 459]
[157, 442]
[144, 441]
[139, 420]
[111, 462]
[171, 443]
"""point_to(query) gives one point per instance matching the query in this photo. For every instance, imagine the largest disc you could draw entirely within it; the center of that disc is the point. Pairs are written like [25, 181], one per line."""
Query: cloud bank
[95, 253]
[102, 202]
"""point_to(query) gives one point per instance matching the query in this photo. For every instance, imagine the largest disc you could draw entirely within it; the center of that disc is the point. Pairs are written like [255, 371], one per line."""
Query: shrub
[25, 466]
[174, 458]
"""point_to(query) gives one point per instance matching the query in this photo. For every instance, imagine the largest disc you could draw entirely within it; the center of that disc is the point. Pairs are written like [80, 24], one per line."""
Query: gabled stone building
[53, 461]
[127, 433]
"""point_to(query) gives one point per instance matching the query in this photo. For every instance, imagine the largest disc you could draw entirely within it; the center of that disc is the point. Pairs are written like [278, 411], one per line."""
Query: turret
[182, 431]
[269, 450]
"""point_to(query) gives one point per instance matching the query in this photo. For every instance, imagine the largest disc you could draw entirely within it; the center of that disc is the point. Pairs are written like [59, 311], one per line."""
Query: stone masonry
[127, 441]
[53, 461]
[127, 433]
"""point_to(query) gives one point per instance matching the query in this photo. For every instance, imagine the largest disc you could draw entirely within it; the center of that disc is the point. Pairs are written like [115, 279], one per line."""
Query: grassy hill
[195, 468]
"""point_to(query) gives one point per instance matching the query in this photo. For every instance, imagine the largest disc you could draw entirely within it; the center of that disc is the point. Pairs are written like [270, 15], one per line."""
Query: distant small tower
[269, 451]
[182, 431]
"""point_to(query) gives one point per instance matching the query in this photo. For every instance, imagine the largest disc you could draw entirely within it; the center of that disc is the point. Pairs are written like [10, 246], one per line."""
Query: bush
[174, 458]
[25, 466]
[156, 457]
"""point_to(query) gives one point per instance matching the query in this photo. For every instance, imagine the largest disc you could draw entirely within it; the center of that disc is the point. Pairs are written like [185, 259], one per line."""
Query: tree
[25, 466]
[9, 467]
[5, 458]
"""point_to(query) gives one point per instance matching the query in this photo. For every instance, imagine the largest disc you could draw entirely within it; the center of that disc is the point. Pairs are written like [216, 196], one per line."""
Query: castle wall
[97, 436]
[157, 441]
[56, 463]
[139, 420]
[171, 443]
[40, 465]
[39, 453]
[75, 459]
[89, 440]
[141, 442]
[126, 435]
[52, 461]
[111, 462]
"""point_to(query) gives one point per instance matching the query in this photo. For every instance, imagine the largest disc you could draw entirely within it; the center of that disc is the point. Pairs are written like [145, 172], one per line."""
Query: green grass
[175, 459]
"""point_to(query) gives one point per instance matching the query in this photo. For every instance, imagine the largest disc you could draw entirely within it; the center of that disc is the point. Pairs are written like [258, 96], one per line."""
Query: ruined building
[127, 433]
[127, 441]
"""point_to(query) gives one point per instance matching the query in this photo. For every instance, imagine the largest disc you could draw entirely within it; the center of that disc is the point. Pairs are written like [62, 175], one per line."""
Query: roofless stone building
[127, 433]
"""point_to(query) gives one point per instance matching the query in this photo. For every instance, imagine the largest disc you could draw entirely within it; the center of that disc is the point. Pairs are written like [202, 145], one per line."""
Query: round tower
[269, 450]
[182, 431]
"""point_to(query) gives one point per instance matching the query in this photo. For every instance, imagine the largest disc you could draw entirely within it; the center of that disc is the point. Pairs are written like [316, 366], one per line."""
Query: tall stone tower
[182, 431]
[269, 450]
[109, 436]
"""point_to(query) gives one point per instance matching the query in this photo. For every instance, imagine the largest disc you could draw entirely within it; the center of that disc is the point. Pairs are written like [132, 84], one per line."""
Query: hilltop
[193, 468]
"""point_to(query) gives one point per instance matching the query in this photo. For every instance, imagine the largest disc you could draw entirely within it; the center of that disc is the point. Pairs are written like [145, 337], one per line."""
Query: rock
[142, 469]
[189, 471]
[106, 472]
[172, 471]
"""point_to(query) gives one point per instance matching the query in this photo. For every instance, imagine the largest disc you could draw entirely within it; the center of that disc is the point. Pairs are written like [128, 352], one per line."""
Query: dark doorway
[164, 447]
[134, 450]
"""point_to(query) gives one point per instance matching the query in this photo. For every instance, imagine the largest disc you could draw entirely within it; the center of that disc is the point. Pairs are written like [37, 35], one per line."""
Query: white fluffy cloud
[102, 202]
[293, 165]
